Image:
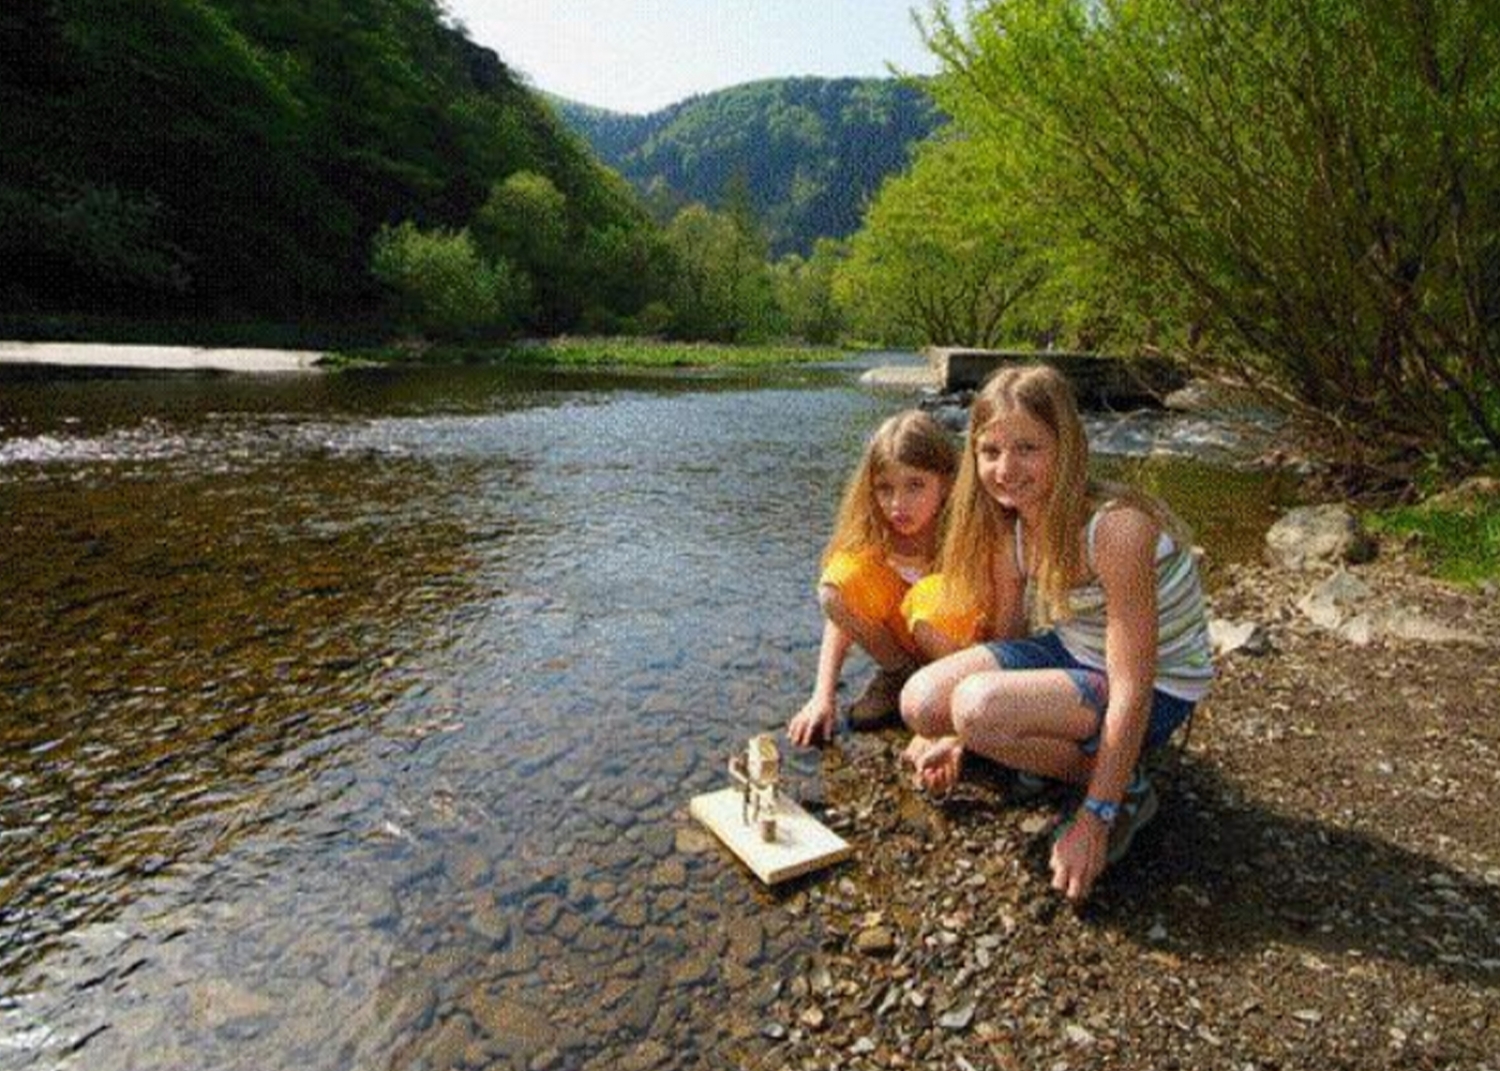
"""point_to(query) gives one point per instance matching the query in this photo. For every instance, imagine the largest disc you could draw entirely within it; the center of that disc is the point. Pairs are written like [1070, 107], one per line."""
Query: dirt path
[1320, 891]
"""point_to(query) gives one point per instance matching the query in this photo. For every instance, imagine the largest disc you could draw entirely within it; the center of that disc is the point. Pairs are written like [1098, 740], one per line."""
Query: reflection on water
[350, 722]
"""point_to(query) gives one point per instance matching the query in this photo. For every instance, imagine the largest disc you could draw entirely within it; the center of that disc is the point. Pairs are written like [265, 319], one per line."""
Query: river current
[350, 721]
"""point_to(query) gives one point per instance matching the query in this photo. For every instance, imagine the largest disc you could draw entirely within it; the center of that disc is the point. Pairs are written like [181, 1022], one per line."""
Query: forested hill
[809, 151]
[239, 155]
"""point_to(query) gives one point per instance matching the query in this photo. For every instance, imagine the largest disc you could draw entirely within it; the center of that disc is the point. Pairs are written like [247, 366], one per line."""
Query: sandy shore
[89, 355]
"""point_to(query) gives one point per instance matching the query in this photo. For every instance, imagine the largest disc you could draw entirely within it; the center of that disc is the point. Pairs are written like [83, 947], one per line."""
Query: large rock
[1344, 604]
[1318, 537]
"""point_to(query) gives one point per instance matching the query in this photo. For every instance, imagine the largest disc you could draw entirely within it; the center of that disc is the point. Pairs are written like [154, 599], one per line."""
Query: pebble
[690, 840]
[958, 1019]
[1077, 1035]
[875, 941]
[546, 1060]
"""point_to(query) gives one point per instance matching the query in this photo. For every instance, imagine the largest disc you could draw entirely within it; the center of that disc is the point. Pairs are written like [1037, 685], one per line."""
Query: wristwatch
[1103, 810]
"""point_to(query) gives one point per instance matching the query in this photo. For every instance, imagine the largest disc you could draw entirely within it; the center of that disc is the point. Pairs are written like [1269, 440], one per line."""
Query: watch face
[1104, 811]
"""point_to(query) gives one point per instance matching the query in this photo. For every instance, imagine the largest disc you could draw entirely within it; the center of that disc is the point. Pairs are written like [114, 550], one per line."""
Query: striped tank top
[1184, 663]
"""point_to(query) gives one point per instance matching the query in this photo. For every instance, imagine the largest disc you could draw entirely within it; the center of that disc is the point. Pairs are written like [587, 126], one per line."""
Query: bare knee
[924, 705]
[975, 709]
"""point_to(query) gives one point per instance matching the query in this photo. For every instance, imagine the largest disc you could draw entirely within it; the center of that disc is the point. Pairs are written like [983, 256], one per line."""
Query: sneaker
[1025, 787]
[880, 701]
[1136, 810]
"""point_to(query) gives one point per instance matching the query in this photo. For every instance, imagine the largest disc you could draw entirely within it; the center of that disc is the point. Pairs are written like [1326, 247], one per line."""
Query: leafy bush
[445, 289]
[1304, 192]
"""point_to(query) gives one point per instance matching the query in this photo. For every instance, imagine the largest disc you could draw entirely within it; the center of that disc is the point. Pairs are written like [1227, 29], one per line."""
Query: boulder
[1344, 604]
[1318, 537]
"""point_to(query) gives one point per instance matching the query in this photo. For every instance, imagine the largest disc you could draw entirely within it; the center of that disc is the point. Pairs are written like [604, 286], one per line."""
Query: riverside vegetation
[1297, 196]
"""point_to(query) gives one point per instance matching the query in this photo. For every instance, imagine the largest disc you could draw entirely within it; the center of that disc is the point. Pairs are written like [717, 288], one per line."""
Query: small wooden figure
[758, 772]
[762, 823]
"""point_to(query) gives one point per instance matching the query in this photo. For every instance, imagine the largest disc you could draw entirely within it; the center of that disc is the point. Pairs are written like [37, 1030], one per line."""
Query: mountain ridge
[810, 152]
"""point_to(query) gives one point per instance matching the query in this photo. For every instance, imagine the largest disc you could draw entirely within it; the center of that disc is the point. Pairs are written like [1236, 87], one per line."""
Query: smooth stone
[747, 941]
[875, 941]
[690, 840]
[957, 1019]
[1313, 537]
[514, 1027]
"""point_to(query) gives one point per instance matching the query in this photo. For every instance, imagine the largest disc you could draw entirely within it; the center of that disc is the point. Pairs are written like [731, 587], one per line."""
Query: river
[349, 721]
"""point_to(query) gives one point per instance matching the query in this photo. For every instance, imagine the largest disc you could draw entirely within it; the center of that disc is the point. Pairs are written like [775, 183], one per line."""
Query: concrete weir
[1101, 381]
[109, 358]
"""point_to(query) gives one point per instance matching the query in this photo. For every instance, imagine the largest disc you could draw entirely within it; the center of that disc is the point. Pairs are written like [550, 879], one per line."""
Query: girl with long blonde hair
[1110, 581]
[875, 589]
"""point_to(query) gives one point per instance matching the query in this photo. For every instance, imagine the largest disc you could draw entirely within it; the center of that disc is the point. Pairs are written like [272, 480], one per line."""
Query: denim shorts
[1046, 651]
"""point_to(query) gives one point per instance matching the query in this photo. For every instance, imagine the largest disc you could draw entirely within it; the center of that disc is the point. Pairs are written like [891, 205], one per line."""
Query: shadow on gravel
[1215, 875]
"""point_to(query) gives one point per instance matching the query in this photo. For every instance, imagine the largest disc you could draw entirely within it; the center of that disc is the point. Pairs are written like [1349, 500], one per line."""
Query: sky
[638, 56]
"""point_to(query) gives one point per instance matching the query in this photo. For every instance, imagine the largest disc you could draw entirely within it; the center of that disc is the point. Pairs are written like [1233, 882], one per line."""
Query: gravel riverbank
[1321, 889]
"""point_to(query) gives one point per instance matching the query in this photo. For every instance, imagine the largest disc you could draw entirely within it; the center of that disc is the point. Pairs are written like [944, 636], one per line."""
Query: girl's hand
[1078, 857]
[812, 723]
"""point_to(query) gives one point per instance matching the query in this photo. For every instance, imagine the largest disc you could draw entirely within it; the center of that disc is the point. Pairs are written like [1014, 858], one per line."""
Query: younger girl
[1110, 574]
[873, 590]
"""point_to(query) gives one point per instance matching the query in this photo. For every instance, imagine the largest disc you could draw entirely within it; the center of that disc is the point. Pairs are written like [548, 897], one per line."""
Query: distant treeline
[809, 153]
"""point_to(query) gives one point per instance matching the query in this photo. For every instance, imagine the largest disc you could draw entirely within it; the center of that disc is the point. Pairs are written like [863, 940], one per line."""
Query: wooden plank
[802, 844]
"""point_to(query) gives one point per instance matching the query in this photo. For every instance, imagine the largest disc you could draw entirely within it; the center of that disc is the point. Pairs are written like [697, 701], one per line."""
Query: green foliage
[638, 353]
[525, 220]
[445, 288]
[811, 152]
[1460, 539]
[238, 156]
[1302, 193]
[804, 292]
[722, 289]
[945, 257]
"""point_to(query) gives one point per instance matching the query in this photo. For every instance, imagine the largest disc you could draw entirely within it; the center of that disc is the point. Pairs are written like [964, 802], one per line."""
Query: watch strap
[1104, 810]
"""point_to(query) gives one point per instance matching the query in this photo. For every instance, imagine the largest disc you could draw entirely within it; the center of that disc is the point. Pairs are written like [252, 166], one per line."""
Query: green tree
[721, 287]
[804, 292]
[445, 288]
[946, 256]
[210, 156]
[1305, 192]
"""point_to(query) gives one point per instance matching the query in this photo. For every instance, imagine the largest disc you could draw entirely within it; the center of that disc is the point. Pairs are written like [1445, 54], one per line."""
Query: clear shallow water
[351, 721]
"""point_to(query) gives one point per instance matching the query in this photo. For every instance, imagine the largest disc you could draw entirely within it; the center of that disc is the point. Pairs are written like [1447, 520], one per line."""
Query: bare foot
[936, 764]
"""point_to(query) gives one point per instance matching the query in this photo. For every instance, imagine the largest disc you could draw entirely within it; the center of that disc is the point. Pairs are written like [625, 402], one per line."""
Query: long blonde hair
[980, 529]
[910, 438]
